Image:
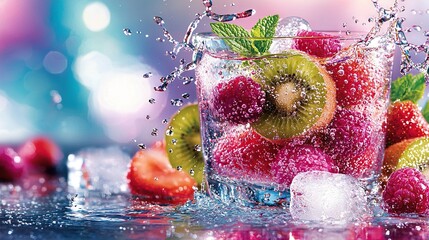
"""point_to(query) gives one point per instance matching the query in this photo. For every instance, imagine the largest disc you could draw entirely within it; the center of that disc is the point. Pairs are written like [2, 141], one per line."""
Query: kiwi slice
[300, 95]
[416, 155]
[183, 142]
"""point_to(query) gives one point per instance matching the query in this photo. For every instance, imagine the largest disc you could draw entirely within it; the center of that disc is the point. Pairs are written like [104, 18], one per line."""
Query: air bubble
[179, 168]
[152, 101]
[197, 148]
[142, 146]
[169, 132]
[192, 172]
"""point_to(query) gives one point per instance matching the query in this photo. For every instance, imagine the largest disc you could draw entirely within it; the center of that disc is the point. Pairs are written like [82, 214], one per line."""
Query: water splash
[397, 32]
[186, 44]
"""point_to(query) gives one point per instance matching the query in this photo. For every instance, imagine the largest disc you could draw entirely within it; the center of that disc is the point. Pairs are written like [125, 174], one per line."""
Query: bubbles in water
[127, 31]
[152, 101]
[142, 146]
[164, 121]
[179, 168]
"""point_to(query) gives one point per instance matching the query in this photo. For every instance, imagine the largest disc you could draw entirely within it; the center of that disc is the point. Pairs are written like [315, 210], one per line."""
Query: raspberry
[242, 154]
[407, 191]
[347, 137]
[293, 159]
[238, 101]
[11, 165]
[317, 44]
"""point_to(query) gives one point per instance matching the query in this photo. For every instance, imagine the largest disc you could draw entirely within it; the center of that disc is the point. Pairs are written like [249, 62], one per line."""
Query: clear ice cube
[288, 27]
[327, 197]
[99, 169]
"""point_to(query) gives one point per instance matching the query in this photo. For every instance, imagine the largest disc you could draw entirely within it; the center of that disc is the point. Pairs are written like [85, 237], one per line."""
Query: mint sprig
[408, 87]
[258, 41]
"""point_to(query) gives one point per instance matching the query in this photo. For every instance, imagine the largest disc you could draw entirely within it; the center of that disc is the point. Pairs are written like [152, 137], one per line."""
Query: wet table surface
[46, 208]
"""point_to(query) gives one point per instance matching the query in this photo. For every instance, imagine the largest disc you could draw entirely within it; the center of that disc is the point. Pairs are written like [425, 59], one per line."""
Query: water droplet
[192, 172]
[147, 75]
[142, 146]
[154, 132]
[164, 121]
[197, 148]
[169, 132]
[148, 117]
[160, 39]
[152, 101]
[185, 95]
[127, 31]
[176, 102]
[56, 97]
[179, 168]
[174, 141]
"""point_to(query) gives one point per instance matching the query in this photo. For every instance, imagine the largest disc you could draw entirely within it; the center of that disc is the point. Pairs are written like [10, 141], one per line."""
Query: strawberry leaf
[425, 111]
[408, 87]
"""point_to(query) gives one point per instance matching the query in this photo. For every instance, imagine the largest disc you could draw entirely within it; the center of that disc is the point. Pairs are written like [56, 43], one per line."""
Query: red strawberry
[353, 82]
[317, 44]
[405, 121]
[244, 154]
[41, 153]
[152, 177]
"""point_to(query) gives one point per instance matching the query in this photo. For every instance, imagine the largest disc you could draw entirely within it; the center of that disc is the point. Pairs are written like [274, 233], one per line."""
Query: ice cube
[327, 197]
[288, 27]
[99, 169]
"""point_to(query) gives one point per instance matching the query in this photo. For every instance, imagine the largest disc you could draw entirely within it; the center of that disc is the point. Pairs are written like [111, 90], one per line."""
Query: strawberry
[243, 154]
[404, 119]
[41, 154]
[353, 82]
[152, 177]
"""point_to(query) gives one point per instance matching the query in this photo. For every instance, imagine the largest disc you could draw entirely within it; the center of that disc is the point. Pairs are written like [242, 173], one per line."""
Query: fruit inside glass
[315, 101]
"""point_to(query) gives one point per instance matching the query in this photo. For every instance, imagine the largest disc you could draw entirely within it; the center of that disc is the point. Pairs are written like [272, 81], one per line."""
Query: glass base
[247, 194]
[252, 195]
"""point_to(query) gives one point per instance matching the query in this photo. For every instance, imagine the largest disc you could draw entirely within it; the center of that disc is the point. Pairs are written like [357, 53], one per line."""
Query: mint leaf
[236, 37]
[264, 28]
[409, 87]
[425, 111]
[240, 40]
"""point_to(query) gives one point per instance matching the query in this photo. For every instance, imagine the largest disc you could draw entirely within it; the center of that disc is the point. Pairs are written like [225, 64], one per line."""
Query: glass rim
[337, 35]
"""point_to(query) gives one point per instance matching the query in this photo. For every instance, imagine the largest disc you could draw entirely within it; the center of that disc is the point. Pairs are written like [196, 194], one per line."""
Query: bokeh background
[68, 69]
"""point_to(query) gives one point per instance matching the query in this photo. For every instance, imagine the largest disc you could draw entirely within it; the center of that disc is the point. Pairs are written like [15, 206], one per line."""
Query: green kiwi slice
[300, 95]
[416, 155]
[183, 142]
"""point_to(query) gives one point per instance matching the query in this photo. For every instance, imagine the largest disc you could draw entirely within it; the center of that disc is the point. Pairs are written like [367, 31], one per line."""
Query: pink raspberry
[347, 138]
[407, 191]
[294, 158]
[239, 100]
[242, 154]
[317, 44]
[11, 165]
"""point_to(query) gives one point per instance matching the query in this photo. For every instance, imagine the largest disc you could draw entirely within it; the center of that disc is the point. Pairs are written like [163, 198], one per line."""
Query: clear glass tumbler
[311, 103]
